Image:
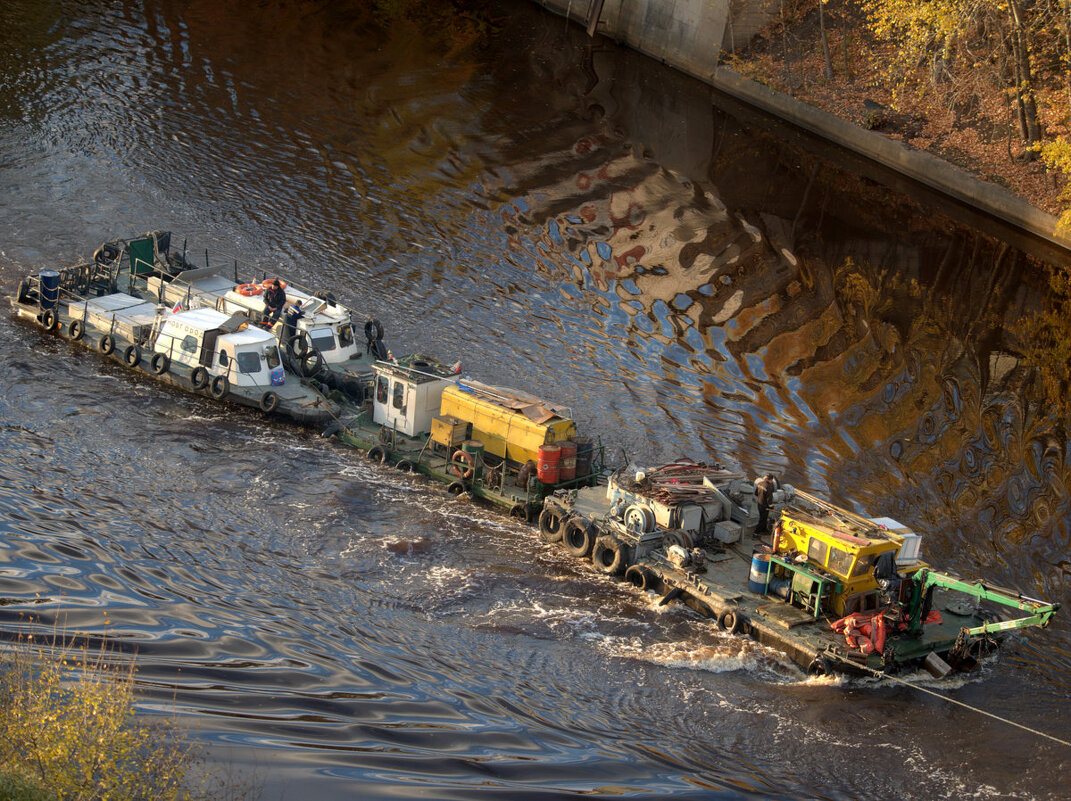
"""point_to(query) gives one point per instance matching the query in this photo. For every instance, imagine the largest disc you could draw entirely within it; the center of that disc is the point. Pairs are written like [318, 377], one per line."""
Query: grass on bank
[68, 730]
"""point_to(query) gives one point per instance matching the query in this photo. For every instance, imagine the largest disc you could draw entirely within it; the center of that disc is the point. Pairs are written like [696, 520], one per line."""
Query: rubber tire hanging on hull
[199, 377]
[731, 621]
[642, 578]
[49, 320]
[578, 539]
[377, 453]
[550, 525]
[819, 667]
[76, 330]
[221, 387]
[132, 355]
[160, 363]
[311, 363]
[456, 488]
[106, 344]
[519, 511]
[608, 556]
[405, 466]
[269, 402]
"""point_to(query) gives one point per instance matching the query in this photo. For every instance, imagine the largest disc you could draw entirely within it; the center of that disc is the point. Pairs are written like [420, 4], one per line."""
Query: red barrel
[567, 463]
[549, 458]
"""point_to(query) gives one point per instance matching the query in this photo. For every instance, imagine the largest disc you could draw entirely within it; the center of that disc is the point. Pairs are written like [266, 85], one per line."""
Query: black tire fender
[199, 377]
[49, 320]
[373, 330]
[520, 511]
[819, 667]
[269, 402]
[731, 620]
[456, 488]
[76, 330]
[377, 453]
[311, 363]
[160, 363]
[550, 525]
[221, 386]
[132, 355]
[608, 556]
[578, 538]
[405, 466]
[106, 344]
[299, 345]
[641, 577]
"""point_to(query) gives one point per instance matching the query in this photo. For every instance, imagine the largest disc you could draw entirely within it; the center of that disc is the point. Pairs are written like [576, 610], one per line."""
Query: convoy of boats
[835, 591]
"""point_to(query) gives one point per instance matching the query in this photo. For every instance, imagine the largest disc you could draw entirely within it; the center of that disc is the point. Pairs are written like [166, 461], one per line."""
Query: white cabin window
[399, 396]
[271, 355]
[323, 340]
[224, 359]
[248, 362]
[189, 343]
[381, 389]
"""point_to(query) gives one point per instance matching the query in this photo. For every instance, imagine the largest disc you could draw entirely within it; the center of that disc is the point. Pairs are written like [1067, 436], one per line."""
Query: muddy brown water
[565, 217]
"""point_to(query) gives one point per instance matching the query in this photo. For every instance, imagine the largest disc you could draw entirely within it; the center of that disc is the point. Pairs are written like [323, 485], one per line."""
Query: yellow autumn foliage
[68, 732]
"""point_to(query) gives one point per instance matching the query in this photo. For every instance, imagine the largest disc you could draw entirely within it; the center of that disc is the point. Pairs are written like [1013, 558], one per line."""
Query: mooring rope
[980, 711]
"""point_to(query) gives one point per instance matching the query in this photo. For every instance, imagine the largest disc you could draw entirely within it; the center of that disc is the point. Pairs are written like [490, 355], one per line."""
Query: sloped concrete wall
[686, 34]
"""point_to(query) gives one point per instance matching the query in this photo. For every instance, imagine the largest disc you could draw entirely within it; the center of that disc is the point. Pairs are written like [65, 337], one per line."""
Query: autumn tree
[949, 45]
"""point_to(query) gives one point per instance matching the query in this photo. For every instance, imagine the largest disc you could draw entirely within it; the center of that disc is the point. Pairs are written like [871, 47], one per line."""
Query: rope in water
[936, 694]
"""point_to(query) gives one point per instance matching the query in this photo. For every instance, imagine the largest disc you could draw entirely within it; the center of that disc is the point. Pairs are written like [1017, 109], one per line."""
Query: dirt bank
[966, 122]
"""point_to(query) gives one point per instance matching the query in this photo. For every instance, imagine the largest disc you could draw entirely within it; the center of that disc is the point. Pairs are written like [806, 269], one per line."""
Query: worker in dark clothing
[764, 490]
[274, 300]
[294, 312]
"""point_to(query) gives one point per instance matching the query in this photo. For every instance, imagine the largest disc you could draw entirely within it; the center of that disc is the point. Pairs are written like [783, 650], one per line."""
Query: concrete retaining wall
[685, 34]
[688, 35]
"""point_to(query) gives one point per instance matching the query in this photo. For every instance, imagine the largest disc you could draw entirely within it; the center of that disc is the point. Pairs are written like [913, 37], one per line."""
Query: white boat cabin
[407, 397]
[328, 324]
[223, 344]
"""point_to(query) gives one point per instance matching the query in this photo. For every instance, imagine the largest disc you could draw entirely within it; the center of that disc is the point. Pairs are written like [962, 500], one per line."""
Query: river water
[569, 218]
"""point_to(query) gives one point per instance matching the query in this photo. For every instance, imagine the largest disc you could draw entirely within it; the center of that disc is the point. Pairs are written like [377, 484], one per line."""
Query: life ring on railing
[248, 290]
[463, 464]
[268, 282]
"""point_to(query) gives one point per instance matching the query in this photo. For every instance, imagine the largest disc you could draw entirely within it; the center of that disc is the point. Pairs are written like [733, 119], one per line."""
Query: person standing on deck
[294, 312]
[764, 490]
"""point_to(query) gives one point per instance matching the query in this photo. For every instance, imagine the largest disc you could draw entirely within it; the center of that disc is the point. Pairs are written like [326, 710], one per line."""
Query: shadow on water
[569, 219]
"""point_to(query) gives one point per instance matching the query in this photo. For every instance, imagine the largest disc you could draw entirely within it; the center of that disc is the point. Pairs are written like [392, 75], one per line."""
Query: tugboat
[321, 342]
[218, 353]
[834, 591]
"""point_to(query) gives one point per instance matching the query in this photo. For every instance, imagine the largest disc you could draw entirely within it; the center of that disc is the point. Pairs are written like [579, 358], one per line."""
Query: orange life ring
[248, 289]
[462, 464]
[267, 282]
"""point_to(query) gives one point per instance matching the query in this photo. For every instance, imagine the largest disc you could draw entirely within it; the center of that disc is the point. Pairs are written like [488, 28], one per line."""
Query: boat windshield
[323, 339]
[271, 353]
[248, 361]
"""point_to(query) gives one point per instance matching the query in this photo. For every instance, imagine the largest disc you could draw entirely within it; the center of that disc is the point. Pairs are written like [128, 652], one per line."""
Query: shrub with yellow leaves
[68, 731]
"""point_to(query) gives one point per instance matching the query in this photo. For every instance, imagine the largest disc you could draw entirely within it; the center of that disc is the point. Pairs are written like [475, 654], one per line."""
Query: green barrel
[474, 448]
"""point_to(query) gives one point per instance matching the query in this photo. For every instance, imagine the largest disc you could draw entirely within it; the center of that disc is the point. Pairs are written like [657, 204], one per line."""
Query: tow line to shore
[980, 711]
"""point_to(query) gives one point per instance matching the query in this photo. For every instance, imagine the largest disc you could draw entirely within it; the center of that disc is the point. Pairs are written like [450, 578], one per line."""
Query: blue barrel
[49, 288]
[760, 570]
